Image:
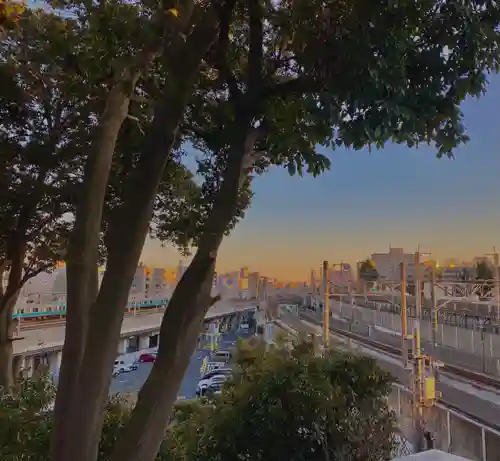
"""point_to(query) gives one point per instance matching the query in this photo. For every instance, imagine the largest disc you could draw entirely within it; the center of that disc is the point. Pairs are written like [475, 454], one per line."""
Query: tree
[483, 271]
[126, 39]
[292, 404]
[484, 275]
[279, 80]
[53, 95]
[367, 271]
[26, 421]
[40, 112]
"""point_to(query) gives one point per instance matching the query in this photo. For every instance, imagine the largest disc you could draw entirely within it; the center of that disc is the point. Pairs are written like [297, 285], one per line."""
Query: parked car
[212, 366]
[147, 357]
[124, 366]
[215, 388]
[207, 383]
[223, 356]
[218, 371]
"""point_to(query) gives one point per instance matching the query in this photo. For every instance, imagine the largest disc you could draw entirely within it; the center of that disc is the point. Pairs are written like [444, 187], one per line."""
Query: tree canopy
[292, 404]
[368, 271]
[250, 84]
[484, 271]
[282, 403]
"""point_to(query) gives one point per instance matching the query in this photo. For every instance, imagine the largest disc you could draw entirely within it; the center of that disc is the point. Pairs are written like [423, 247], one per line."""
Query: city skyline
[367, 202]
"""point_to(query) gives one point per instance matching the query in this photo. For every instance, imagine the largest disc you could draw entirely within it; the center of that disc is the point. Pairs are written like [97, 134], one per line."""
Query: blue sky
[366, 202]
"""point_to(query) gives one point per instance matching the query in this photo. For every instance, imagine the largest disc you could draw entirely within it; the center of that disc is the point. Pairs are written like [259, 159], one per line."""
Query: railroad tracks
[469, 375]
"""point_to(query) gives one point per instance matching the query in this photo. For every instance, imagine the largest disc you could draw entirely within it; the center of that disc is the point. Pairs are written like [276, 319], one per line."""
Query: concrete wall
[455, 433]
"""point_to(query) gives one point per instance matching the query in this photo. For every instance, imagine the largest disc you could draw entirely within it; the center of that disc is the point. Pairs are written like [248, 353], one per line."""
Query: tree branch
[225, 14]
[29, 274]
[296, 86]
[254, 76]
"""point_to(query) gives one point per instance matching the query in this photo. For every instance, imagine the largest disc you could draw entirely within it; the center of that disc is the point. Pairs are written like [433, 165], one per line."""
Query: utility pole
[418, 288]
[434, 310]
[496, 275]
[404, 316]
[326, 306]
[424, 382]
[496, 262]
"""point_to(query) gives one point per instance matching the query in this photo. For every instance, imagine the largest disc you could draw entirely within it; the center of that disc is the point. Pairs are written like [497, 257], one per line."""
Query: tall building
[228, 284]
[388, 265]
[253, 284]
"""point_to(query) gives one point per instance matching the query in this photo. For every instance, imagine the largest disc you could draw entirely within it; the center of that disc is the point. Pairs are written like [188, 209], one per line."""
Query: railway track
[463, 373]
[472, 377]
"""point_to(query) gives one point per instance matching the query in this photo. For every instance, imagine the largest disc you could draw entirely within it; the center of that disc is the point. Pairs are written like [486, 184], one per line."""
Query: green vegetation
[98, 102]
[283, 403]
[484, 271]
[484, 274]
[367, 271]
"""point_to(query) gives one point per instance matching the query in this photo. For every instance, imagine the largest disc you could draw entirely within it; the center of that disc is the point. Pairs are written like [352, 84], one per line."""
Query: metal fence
[476, 350]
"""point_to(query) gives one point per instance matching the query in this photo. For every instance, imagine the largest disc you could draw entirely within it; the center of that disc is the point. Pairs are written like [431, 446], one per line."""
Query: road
[481, 404]
[133, 381]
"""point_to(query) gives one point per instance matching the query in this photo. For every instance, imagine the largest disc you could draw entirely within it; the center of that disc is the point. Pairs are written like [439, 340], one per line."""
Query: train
[60, 311]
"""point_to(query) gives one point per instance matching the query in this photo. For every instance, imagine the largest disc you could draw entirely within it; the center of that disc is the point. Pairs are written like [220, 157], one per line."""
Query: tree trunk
[82, 427]
[181, 323]
[16, 252]
[6, 352]
[142, 436]
[82, 261]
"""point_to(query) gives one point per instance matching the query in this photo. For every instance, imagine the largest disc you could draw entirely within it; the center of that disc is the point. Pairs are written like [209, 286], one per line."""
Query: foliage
[10, 12]
[416, 64]
[367, 271]
[294, 405]
[483, 271]
[41, 115]
[484, 274]
[26, 421]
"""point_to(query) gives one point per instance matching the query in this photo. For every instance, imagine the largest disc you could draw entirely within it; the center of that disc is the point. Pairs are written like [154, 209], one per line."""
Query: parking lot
[133, 380]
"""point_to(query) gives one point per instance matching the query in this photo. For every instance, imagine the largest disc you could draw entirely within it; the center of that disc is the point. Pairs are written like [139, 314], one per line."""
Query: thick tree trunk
[17, 251]
[142, 436]
[83, 425]
[6, 352]
[82, 261]
[181, 323]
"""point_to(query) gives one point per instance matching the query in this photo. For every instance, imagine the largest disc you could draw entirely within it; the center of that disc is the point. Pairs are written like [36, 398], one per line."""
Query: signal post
[422, 381]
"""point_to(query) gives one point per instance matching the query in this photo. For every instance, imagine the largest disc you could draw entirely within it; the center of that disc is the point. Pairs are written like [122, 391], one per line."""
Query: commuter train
[59, 312]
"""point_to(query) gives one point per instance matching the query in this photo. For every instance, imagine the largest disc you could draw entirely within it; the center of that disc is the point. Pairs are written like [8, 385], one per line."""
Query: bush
[283, 403]
[292, 404]
[26, 421]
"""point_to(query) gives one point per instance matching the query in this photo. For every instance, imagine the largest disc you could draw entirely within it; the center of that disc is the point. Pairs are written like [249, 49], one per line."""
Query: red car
[147, 358]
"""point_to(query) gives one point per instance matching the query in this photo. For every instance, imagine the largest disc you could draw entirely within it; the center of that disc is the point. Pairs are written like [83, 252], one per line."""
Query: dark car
[147, 357]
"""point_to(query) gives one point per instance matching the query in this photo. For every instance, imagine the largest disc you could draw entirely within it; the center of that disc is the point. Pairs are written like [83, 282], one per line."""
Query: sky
[366, 202]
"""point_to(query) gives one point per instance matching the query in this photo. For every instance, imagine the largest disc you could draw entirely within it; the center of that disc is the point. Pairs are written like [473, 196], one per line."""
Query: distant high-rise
[253, 284]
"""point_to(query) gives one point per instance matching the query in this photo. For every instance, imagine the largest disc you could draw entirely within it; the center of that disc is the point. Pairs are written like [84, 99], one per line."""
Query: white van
[125, 364]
